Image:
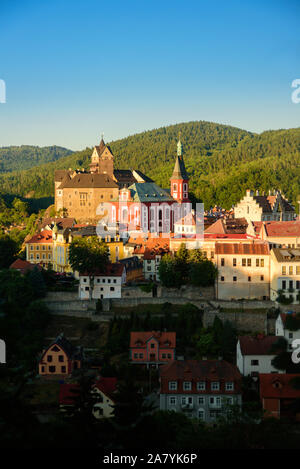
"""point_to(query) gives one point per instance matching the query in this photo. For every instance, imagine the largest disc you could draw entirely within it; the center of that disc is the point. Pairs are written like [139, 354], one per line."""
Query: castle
[122, 196]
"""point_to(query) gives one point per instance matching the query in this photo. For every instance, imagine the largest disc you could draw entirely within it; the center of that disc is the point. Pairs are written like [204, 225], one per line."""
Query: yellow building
[61, 243]
[39, 248]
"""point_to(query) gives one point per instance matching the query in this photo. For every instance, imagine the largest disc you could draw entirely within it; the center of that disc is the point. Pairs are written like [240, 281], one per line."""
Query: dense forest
[222, 162]
[26, 156]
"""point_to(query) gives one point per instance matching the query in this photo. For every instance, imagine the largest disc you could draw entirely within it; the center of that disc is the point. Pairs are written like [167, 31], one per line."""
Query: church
[122, 196]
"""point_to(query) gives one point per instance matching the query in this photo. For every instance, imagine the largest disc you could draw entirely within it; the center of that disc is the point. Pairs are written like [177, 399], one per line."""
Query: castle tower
[180, 179]
[102, 159]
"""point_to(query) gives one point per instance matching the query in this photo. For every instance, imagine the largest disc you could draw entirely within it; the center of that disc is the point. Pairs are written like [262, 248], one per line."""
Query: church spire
[179, 179]
[179, 146]
[179, 171]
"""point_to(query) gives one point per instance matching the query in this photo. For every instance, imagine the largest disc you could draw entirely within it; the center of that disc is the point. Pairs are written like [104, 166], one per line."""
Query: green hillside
[222, 161]
[26, 156]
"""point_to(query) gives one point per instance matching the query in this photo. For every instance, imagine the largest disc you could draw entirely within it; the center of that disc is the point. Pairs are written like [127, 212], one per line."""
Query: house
[103, 391]
[288, 326]
[151, 252]
[243, 270]
[201, 389]
[254, 355]
[102, 394]
[279, 234]
[262, 207]
[133, 266]
[39, 248]
[24, 266]
[100, 285]
[60, 358]
[279, 395]
[186, 226]
[285, 274]
[152, 348]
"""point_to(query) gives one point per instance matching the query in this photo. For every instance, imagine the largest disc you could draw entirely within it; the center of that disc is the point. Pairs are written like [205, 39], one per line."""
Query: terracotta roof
[278, 385]
[89, 180]
[62, 223]
[200, 369]
[72, 352]
[23, 266]
[68, 393]
[257, 345]
[228, 226]
[165, 339]
[44, 237]
[152, 247]
[228, 236]
[243, 248]
[285, 315]
[107, 385]
[282, 228]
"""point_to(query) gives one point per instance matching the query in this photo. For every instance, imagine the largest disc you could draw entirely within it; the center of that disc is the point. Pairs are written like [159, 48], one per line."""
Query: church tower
[180, 179]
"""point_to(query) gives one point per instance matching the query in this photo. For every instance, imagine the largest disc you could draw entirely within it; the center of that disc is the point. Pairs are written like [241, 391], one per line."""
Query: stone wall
[243, 321]
[187, 291]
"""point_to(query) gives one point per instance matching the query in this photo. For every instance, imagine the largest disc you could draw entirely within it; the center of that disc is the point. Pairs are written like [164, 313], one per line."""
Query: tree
[168, 274]
[88, 254]
[8, 251]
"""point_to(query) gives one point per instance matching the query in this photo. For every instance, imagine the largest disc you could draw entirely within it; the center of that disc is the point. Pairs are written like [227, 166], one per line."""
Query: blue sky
[75, 69]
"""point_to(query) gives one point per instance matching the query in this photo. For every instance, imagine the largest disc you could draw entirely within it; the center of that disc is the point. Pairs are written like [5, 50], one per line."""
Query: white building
[243, 270]
[285, 274]
[261, 207]
[254, 356]
[282, 328]
[103, 392]
[103, 285]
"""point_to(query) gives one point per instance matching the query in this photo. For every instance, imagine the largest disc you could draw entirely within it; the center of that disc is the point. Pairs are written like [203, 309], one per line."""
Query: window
[164, 355]
[172, 385]
[244, 262]
[229, 386]
[234, 279]
[290, 335]
[234, 262]
[135, 355]
[141, 355]
[152, 345]
[222, 261]
[249, 262]
[63, 369]
[201, 414]
[283, 270]
[215, 385]
[52, 369]
[297, 269]
[249, 279]
[201, 400]
[60, 358]
[112, 288]
[201, 386]
[262, 262]
[257, 262]
[215, 401]
[283, 284]
[290, 270]
[262, 278]
[49, 358]
[187, 386]
[222, 279]
[254, 362]
[172, 400]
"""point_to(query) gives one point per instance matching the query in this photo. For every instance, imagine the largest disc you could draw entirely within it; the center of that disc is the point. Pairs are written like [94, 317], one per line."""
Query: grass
[44, 393]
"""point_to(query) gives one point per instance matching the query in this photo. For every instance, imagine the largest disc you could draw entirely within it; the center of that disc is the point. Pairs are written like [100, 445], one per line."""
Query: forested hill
[222, 161]
[26, 156]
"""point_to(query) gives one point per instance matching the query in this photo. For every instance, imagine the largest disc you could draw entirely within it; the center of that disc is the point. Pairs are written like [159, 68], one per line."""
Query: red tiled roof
[200, 369]
[152, 246]
[243, 248]
[278, 385]
[257, 345]
[23, 266]
[227, 236]
[44, 237]
[107, 385]
[139, 339]
[282, 228]
[66, 396]
[228, 226]
[61, 222]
